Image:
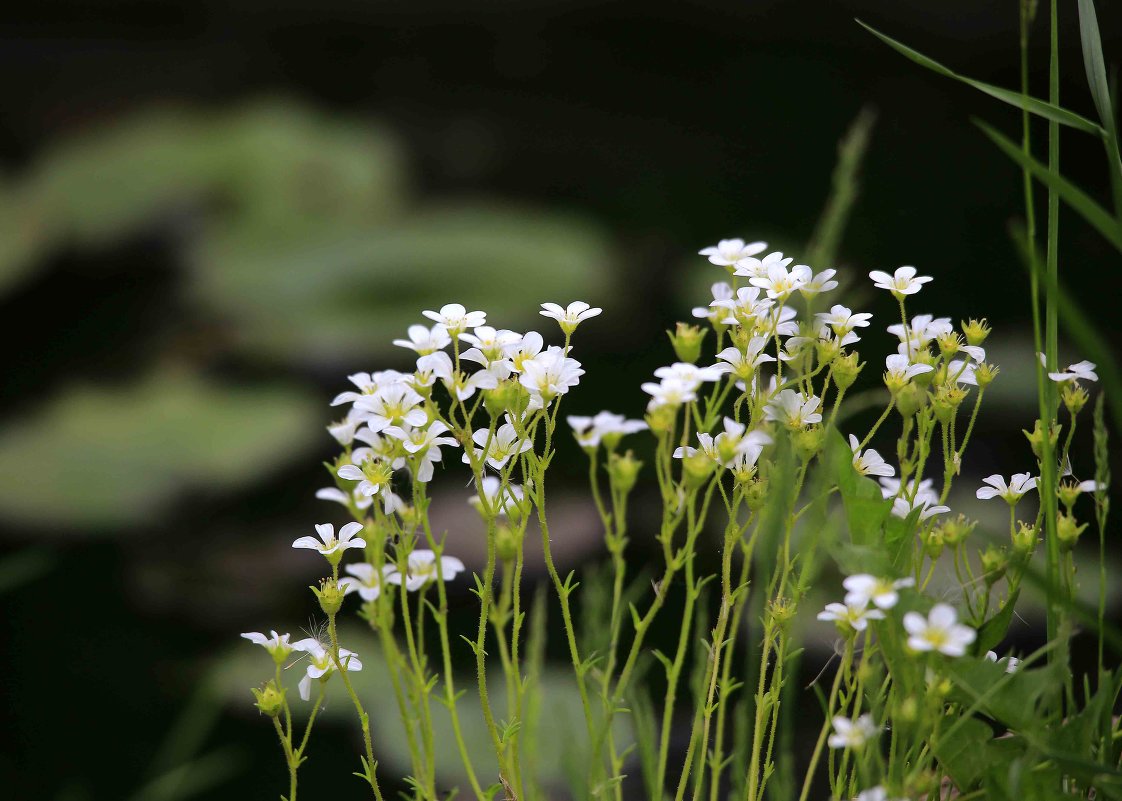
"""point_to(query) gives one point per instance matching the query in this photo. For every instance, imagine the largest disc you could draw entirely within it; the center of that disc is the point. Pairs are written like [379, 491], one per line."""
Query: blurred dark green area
[210, 213]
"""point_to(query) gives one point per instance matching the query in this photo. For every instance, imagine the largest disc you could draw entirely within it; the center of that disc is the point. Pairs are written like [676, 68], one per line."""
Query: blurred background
[212, 212]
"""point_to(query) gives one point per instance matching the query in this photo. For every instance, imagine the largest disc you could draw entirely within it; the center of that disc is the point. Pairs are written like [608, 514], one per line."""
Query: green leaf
[964, 756]
[993, 630]
[1093, 61]
[1075, 197]
[1013, 98]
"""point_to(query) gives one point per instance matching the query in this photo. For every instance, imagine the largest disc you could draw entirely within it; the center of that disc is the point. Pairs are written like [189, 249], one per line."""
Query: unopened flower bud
[506, 542]
[809, 442]
[1068, 492]
[957, 529]
[755, 494]
[975, 331]
[907, 710]
[995, 561]
[270, 699]
[1036, 438]
[741, 337]
[984, 374]
[1074, 397]
[1068, 531]
[660, 420]
[697, 469]
[508, 396]
[330, 596]
[1024, 540]
[846, 369]
[781, 610]
[828, 350]
[687, 340]
[949, 344]
[909, 399]
[933, 542]
[623, 470]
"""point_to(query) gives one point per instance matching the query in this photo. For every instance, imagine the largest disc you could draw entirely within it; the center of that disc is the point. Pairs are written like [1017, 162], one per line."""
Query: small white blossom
[344, 431]
[902, 507]
[489, 345]
[690, 373]
[900, 368]
[1019, 484]
[856, 616]
[550, 374]
[780, 283]
[728, 252]
[424, 445]
[939, 631]
[925, 492]
[1080, 371]
[422, 567]
[321, 664]
[922, 330]
[713, 313]
[963, 372]
[758, 268]
[425, 340]
[793, 409]
[863, 589]
[821, 282]
[571, 316]
[903, 282]
[670, 392]
[590, 431]
[743, 307]
[277, 645]
[365, 580]
[743, 364]
[852, 734]
[869, 462]
[328, 543]
[842, 320]
[394, 405]
[336, 495]
[511, 502]
[500, 446]
[368, 384]
[456, 319]
[520, 352]
[730, 448]
[373, 475]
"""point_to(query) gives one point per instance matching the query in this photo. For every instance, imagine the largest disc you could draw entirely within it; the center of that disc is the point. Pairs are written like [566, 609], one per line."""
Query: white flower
[857, 616]
[529, 347]
[843, 320]
[690, 373]
[503, 444]
[713, 313]
[277, 645]
[458, 383]
[939, 631]
[456, 319]
[779, 283]
[922, 329]
[728, 252]
[425, 340]
[589, 431]
[757, 268]
[550, 374]
[1011, 662]
[742, 308]
[670, 392]
[779, 321]
[877, 793]
[424, 445]
[863, 589]
[963, 372]
[1090, 485]
[512, 498]
[489, 345]
[852, 734]
[902, 507]
[793, 409]
[869, 462]
[422, 567]
[392, 405]
[321, 664]
[903, 282]
[336, 495]
[373, 475]
[925, 492]
[368, 384]
[365, 580]
[730, 448]
[899, 368]
[344, 430]
[328, 543]
[821, 282]
[743, 364]
[1019, 484]
[571, 316]
[1080, 371]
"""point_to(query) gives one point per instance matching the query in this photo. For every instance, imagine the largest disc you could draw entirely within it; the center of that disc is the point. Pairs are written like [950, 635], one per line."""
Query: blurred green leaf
[113, 456]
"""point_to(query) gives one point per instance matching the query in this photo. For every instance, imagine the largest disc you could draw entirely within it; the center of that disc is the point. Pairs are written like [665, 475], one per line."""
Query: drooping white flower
[1019, 484]
[365, 580]
[780, 283]
[327, 543]
[394, 405]
[793, 409]
[1011, 662]
[713, 313]
[670, 392]
[422, 567]
[425, 340]
[571, 316]
[842, 320]
[939, 631]
[852, 734]
[820, 282]
[500, 446]
[864, 589]
[456, 319]
[1080, 371]
[321, 664]
[856, 616]
[550, 374]
[728, 252]
[899, 368]
[424, 445]
[903, 282]
[902, 507]
[869, 462]
[510, 503]
[590, 431]
[277, 645]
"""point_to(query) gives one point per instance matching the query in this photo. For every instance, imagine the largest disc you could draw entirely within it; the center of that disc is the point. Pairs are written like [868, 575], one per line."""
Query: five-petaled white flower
[550, 374]
[489, 345]
[591, 431]
[423, 444]
[868, 462]
[422, 567]
[924, 492]
[714, 314]
[743, 363]
[939, 631]
[821, 282]
[456, 319]
[728, 252]
[321, 664]
[899, 369]
[670, 392]
[864, 589]
[509, 505]
[793, 409]
[425, 340]
[902, 507]
[328, 543]
[571, 316]
[753, 267]
[903, 282]
[844, 320]
[365, 580]
[854, 615]
[277, 645]
[391, 405]
[742, 308]
[779, 283]
[1080, 371]
[1019, 484]
[498, 447]
[852, 734]
[922, 329]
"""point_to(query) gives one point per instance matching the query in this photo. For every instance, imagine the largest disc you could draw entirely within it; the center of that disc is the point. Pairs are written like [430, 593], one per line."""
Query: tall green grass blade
[1075, 197]
[1031, 104]
[1095, 65]
[844, 190]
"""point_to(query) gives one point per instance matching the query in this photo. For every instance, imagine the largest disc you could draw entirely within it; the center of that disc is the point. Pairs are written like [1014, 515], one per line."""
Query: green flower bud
[270, 699]
[623, 470]
[984, 374]
[846, 369]
[907, 710]
[909, 399]
[1074, 397]
[933, 542]
[949, 344]
[755, 494]
[957, 529]
[780, 611]
[975, 331]
[1068, 531]
[1068, 492]
[1024, 540]
[508, 396]
[1036, 438]
[828, 350]
[995, 561]
[661, 419]
[809, 442]
[506, 542]
[330, 596]
[697, 469]
[741, 336]
[687, 340]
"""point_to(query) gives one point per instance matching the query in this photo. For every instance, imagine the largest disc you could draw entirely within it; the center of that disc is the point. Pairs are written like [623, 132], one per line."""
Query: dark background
[609, 141]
